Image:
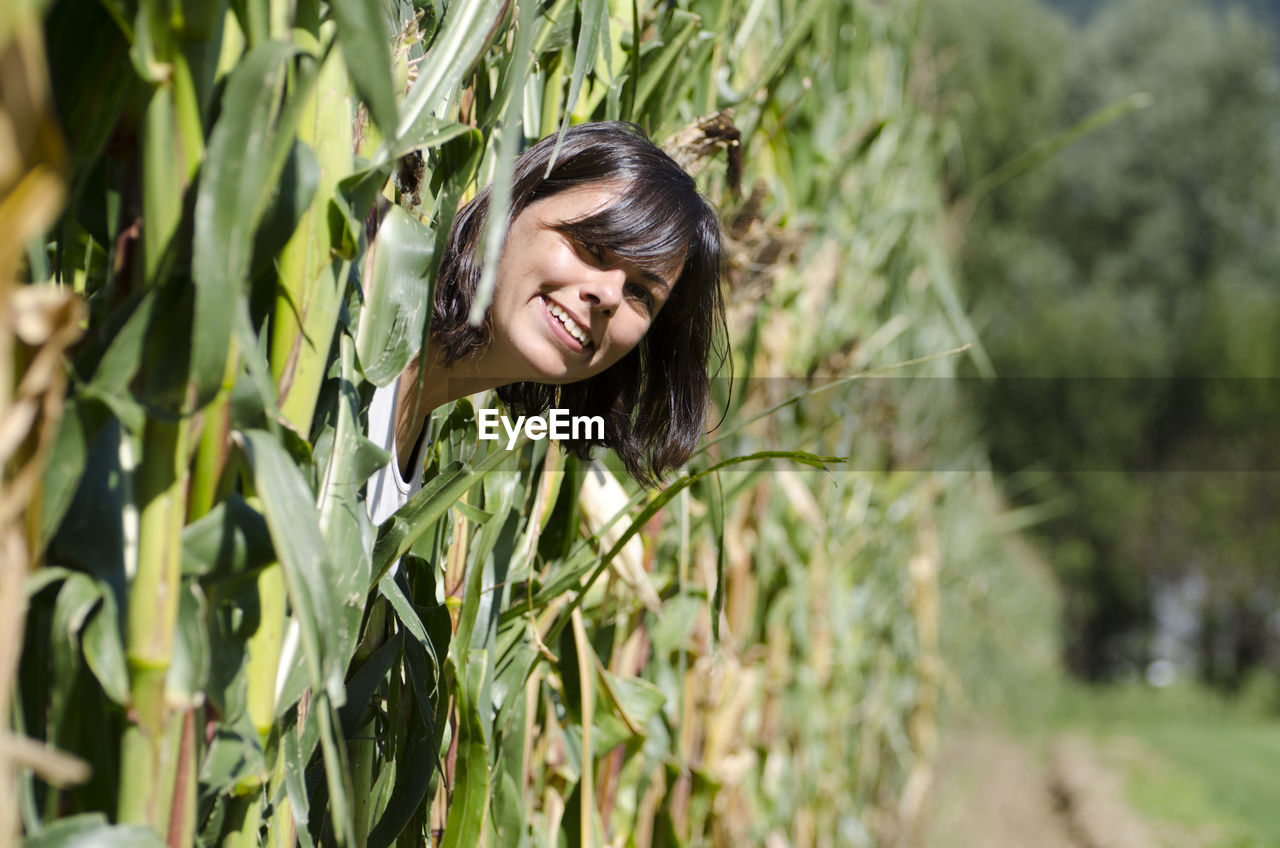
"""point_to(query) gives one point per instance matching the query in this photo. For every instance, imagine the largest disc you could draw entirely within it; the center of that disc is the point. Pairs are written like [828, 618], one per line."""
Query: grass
[1207, 765]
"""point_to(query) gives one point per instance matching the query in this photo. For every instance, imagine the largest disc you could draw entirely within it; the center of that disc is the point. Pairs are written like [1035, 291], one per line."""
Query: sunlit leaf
[231, 198]
[467, 812]
[459, 42]
[366, 48]
[91, 830]
[295, 529]
[397, 296]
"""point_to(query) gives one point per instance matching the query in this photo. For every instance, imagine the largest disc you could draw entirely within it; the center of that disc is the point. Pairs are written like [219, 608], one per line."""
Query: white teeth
[570, 325]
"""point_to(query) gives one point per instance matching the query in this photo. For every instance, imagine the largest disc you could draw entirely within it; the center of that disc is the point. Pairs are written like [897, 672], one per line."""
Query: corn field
[220, 223]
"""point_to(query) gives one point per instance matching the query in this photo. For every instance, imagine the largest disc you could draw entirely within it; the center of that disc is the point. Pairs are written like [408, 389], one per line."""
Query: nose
[603, 289]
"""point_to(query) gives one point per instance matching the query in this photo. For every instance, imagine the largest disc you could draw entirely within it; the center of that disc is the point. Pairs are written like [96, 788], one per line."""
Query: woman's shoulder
[387, 490]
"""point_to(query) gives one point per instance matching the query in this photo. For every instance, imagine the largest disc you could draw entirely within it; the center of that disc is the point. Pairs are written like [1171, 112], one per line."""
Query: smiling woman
[607, 305]
[559, 292]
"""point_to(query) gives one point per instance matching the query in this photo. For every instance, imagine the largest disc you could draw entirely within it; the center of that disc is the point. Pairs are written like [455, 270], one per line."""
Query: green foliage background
[1132, 277]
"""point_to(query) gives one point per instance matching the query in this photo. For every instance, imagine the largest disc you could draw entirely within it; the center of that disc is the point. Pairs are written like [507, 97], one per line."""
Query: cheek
[558, 263]
[628, 335]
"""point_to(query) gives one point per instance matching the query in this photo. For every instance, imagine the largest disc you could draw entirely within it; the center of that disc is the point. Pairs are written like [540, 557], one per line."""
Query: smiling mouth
[575, 330]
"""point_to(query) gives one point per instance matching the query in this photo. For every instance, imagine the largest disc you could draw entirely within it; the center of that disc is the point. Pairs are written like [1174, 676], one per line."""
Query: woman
[607, 303]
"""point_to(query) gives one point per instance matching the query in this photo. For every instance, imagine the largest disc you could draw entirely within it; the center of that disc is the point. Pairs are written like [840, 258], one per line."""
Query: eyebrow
[655, 278]
[645, 273]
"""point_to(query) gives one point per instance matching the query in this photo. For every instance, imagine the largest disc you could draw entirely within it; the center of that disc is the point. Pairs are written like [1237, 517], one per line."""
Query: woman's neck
[419, 394]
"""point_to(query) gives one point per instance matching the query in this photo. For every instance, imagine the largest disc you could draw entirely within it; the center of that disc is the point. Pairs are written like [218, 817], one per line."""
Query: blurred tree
[1116, 279]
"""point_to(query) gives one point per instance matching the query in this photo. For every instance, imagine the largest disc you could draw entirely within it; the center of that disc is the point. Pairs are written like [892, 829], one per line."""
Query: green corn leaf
[43, 578]
[76, 599]
[234, 756]
[945, 288]
[739, 425]
[655, 70]
[398, 533]
[511, 673]
[495, 231]
[337, 770]
[586, 679]
[509, 138]
[468, 810]
[509, 810]
[595, 20]
[566, 578]
[66, 464]
[473, 514]
[634, 699]
[660, 500]
[104, 650]
[310, 573]
[628, 107]
[426, 674]
[424, 658]
[365, 682]
[253, 352]
[294, 685]
[418, 760]
[92, 536]
[366, 47]
[230, 201]
[295, 751]
[405, 612]
[714, 498]
[298, 182]
[397, 296]
[508, 802]
[1048, 148]
[235, 612]
[477, 603]
[120, 362]
[514, 72]
[459, 43]
[230, 538]
[344, 522]
[415, 769]
[189, 668]
[780, 58]
[91, 830]
[380, 795]
[362, 188]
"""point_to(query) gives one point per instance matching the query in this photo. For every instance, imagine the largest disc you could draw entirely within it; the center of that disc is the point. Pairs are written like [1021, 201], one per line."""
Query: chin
[549, 373]
[549, 366]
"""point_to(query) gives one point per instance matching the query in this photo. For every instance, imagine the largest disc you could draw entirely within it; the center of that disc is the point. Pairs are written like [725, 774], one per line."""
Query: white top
[387, 490]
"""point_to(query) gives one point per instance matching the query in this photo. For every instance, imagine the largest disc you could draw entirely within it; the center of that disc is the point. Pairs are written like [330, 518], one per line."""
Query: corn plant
[256, 194]
[36, 327]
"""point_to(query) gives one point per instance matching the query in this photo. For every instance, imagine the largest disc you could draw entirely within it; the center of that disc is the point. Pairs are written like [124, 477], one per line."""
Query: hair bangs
[646, 226]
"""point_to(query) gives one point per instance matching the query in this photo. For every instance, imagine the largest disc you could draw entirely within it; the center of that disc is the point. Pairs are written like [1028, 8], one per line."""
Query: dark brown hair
[653, 400]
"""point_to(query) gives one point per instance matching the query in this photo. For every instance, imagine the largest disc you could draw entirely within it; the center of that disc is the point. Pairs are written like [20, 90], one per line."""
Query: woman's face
[564, 311]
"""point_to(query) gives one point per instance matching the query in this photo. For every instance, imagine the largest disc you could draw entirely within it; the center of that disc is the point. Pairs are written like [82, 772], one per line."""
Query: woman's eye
[642, 294]
[595, 251]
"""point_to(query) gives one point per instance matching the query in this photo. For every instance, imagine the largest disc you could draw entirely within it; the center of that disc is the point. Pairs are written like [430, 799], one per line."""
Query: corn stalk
[259, 193]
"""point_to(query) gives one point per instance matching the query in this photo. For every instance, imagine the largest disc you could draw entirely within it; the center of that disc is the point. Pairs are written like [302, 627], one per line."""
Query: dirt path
[994, 792]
